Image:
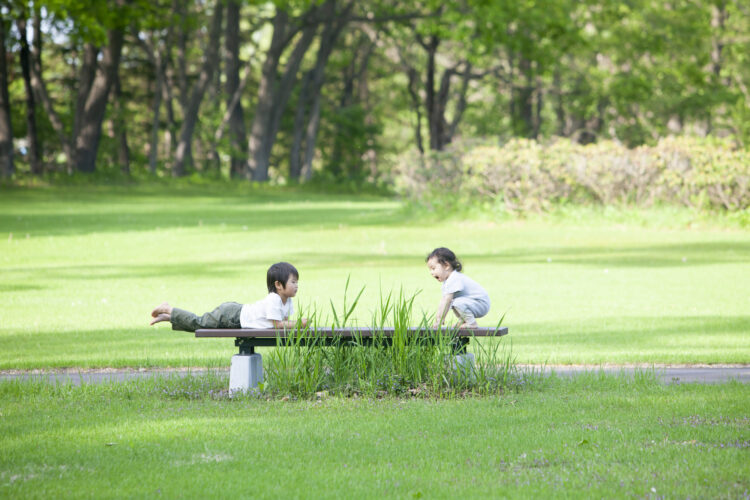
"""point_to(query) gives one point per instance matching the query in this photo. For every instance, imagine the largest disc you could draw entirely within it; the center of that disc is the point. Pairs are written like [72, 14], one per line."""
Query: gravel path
[670, 374]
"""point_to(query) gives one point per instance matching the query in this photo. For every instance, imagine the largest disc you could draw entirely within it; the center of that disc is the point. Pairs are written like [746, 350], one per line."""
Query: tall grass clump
[403, 364]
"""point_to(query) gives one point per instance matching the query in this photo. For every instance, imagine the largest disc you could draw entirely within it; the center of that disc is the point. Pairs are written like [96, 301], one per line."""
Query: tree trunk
[355, 72]
[461, 104]
[309, 102]
[178, 6]
[257, 164]
[413, 80]
[295, 151]
[718, 28]
[237, 132]
[522, 101]
[183, 154]
[121, 128]
[32, 134]
[153, 153]
[41, 94]
[311, 133]
[433, 118]
[561, 129]
[273, 97]
[86, 75]
[436, 99]
[90, 129]
[7, 167]
[440, 125]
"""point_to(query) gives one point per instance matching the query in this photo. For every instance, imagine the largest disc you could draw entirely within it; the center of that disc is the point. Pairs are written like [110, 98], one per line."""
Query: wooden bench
[247, 366]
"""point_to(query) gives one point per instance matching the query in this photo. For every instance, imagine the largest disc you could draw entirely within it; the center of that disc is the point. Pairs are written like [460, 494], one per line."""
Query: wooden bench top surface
[344, 332]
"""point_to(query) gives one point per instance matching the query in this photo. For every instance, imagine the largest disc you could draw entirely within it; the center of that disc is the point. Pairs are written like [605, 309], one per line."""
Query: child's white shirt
[461, 285]
[262, 313]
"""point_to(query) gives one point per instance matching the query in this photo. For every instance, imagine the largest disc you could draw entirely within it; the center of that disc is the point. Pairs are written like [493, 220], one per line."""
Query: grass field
[81, 268]
[592, 437]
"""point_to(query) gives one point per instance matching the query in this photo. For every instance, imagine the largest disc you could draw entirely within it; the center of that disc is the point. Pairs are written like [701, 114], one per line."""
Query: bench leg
[463, 364]
[246, 372]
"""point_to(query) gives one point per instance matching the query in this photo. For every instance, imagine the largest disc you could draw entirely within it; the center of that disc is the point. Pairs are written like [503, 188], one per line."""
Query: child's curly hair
[445, 256]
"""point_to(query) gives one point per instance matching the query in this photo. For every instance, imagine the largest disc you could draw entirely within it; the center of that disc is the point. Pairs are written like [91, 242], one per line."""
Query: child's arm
[445, 304]
[287, 323]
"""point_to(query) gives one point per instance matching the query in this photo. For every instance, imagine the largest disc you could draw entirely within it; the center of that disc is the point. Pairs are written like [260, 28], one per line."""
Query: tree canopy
[293, 90]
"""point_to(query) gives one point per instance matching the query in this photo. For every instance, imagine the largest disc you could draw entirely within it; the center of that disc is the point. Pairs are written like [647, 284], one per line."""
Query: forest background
[516, 103]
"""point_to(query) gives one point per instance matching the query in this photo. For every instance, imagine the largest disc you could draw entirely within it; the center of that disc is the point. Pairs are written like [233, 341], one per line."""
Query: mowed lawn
[81, 268]
[591, 437]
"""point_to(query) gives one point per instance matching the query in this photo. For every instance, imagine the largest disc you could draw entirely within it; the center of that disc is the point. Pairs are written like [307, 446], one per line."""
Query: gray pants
[468, 309]
[227, 315]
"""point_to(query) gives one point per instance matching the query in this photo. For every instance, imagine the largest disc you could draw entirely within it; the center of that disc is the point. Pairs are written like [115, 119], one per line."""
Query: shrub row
[525, 175]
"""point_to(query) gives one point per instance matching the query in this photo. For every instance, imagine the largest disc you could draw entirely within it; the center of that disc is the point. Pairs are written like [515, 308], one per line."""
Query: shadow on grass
[19, 287]
[94, 209]
[667, 339]
[242, 216]
[117, 348]
[653, 256]
[189, 270]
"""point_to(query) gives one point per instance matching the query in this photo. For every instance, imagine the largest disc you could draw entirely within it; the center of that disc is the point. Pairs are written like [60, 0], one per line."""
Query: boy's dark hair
[445, 256]
[280, 272]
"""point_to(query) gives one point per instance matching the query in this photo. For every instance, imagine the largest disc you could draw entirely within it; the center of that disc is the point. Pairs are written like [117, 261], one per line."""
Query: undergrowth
[432, 364]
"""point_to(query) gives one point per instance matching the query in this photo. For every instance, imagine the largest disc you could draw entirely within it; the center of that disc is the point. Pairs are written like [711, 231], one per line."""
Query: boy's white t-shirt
[461, 285]
[260, 314]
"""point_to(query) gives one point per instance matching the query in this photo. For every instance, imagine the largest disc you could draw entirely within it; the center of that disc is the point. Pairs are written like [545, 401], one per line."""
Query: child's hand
[304, 321]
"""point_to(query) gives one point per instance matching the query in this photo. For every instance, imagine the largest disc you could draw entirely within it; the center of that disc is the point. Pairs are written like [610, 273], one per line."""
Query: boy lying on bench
[271, 312]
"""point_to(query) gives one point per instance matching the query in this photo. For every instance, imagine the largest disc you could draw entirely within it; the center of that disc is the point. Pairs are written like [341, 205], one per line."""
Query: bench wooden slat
[344, 333]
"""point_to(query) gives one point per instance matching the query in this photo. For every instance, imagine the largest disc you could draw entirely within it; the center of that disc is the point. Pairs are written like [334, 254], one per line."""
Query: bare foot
[159, 318]
[163, 308]
[463, 326]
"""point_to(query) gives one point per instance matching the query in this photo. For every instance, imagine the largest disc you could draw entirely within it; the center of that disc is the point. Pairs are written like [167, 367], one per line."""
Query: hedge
[525, 175]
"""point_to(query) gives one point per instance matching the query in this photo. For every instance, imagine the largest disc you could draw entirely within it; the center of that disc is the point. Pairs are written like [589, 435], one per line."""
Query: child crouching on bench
[271, 312]
[463, 295]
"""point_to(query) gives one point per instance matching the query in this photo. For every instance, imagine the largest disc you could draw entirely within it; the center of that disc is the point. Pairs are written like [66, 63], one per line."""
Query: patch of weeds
[210, 385]
[402, 365]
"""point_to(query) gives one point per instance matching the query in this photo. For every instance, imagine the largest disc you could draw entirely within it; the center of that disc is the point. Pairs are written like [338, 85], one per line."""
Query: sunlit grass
[81, 267]
[590, 436]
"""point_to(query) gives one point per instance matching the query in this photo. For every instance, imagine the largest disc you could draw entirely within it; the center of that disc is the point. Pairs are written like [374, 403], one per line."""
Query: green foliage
[343, 147]
[525, 175]
[634, 72]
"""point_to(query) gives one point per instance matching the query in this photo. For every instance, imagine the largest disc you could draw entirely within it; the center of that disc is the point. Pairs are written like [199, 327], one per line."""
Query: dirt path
[670, 374]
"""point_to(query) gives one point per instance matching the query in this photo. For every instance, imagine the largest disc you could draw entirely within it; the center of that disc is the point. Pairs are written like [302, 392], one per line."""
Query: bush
[524, 175]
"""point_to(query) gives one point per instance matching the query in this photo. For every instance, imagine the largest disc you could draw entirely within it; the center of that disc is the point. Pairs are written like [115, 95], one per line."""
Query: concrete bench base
[246, 372]
[463, 364]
